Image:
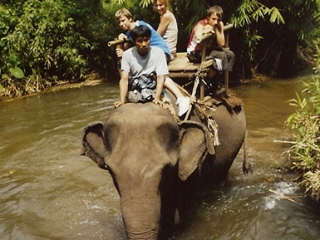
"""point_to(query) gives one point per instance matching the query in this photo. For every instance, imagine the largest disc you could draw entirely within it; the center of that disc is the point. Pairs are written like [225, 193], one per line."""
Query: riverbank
[90, 80]
[94, 78]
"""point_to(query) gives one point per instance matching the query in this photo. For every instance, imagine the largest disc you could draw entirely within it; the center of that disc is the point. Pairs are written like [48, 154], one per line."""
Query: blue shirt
[155, 40]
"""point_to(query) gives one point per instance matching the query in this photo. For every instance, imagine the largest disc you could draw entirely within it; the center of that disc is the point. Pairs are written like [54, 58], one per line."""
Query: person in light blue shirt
[125, 21]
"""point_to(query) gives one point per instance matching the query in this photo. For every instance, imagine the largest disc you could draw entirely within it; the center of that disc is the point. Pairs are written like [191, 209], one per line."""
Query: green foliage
[66, 39]
[50, 40]
[311, 183]
[251, 10]
[317, 56]
[16, 72]
[143, 3]
[305, 126]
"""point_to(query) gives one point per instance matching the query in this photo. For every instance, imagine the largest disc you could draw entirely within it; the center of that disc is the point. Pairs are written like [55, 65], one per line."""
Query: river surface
[49, 191]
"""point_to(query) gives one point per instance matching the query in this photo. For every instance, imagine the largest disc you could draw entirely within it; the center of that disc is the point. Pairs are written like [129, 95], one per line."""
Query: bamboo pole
[203, 57]
[210, 34]
[118, 41]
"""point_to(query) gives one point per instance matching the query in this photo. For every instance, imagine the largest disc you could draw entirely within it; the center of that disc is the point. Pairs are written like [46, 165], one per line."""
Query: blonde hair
[123, 12]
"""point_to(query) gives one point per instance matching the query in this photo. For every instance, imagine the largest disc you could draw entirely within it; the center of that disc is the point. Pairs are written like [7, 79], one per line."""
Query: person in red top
[224, 58]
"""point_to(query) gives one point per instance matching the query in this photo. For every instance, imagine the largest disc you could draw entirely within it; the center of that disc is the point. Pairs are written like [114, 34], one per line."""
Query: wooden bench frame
[181, 67]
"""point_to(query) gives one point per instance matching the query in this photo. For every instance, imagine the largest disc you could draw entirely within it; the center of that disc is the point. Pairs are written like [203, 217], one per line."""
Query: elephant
[150, 156]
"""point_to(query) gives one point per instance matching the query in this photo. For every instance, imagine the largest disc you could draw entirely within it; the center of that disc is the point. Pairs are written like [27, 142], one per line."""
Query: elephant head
[145, 149]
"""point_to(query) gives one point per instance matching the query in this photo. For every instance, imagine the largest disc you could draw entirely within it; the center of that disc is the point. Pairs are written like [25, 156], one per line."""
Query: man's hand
[208, 29]
[219, 26]
[118, 104]
[158, 102]
[122, 36]
[119, 52]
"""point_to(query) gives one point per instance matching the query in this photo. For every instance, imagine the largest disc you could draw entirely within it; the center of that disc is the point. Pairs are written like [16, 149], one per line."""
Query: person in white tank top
[168, 27]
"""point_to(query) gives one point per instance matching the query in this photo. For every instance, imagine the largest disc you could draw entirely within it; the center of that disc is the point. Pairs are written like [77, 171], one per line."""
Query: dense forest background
[45, 41]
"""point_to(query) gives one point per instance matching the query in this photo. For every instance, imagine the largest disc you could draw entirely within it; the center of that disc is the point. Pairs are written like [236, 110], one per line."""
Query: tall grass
[305, 127]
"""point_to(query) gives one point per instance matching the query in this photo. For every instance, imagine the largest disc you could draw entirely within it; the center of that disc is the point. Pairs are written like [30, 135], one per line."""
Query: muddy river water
[49, 191]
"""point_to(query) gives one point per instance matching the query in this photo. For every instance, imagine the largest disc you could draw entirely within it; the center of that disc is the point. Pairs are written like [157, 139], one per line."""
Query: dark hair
[140, 31]
[215, 9]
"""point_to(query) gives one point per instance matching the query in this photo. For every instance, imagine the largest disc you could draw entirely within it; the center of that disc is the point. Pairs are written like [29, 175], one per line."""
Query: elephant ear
[93, 143]
[195, 143]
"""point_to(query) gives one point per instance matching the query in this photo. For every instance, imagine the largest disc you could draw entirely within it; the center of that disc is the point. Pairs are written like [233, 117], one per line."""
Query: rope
[193, 99]
[213, 130]
[202, 107]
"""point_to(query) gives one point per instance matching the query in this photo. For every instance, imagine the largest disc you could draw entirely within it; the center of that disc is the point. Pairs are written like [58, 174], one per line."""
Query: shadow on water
[49, 191]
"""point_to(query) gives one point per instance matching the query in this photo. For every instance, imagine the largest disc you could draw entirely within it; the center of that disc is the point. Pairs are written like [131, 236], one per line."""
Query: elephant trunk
[141, 214]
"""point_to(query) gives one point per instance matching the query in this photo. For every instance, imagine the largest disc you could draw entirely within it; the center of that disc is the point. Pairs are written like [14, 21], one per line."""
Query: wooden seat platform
[181, 67]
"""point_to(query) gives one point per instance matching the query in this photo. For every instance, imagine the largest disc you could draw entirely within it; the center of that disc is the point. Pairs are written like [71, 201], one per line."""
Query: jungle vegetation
[304, 124]
[46, 41]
